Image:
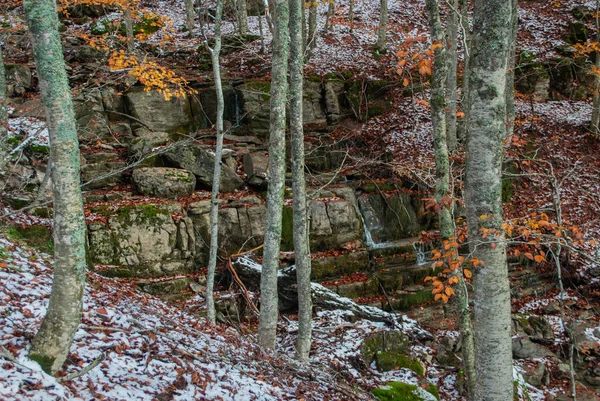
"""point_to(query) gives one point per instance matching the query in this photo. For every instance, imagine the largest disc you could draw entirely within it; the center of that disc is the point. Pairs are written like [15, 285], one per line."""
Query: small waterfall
[372, 224]
[238, 108]
[419, 253]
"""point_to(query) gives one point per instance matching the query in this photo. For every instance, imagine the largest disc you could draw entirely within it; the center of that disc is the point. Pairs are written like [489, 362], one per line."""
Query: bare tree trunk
[312, 27]
[351, 14]
[189, 16]
[267, 325]
[510, 73]
[381, 44]
[4, 148]
[595, 123]
[464, 25]
[483, 190]
[50, 346]
[129, 28]
[262, 33]
[268, 15]
[452, 35]
[303, 266]
[214, 204]
[330, 12]
[242, 16]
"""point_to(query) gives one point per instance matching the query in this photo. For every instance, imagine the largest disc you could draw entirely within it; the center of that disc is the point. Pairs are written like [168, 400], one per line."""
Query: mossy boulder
[394, 342]
[398, 391]
[164, 182]
[36, 236]
[387, 361]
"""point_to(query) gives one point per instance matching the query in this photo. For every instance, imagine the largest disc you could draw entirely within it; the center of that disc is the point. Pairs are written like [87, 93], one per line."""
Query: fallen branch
[83, 371]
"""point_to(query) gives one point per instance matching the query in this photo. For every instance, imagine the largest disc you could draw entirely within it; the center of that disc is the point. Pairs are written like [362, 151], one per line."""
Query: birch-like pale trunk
[129, 28]
[483, 190]
[189, 16]
[381, 44]
[214, 202]
[4, 148]
[301, 247]
[595, 123]
[510, 73]
[50, 346]
[451, 95]
[351, 14]
[267, 324]
[312, 27]
[242, 16]
[463, 127]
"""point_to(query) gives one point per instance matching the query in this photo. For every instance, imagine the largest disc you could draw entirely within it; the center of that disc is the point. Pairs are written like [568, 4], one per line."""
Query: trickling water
[418, 247]
[238, 111]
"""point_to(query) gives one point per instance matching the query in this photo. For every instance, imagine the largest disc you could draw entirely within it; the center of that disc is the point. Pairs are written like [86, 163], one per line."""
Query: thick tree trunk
[214, 204]
[452, 37]
[510, 73]
[303, 266]
[595, 123]
[189, 16]
[267, 325]
[4, 148]
[51, 344]
[381, 44]
[129, 28]
[463, 127]
[483, 190]
[242, 16]
[312, 27]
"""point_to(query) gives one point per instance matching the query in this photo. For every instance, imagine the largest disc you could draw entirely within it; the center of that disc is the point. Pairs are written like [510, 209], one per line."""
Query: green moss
[387, 361]
[404, 302]
[39, 237]
[397, 391]
[116, 273]
[376, 188]
[432, 389]
[260, 86]
[44, 361]
[39, 148]
[182, 177]
[148, 212]
[314, 78]
[508, 190]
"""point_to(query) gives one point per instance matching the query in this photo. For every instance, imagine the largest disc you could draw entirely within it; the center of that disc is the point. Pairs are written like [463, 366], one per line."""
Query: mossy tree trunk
[381, 44]
[267, 325]
[483, 190]
[129, 28]
[463, 126]
[301, 233]
[452, 37]
[595, 123]
[4, 148]
[50, 346]
[242, 16]
[189, 16]
[312, 26]
[214, 204]
[510, 73]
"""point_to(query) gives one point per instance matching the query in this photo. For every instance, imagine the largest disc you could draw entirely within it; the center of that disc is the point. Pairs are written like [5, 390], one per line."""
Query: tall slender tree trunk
[595, 123]
[51, 344]
[510, 73]
[262, 33]
[381, 44]
[301, 247]
[330, 12]
[189, 16]
[4, 148]
[267, 325]
[242, 16]
[464, 24]
[351, 14]
[129, 28]
[452, 37]
[483, 190]
[312, 27]
[214, 203]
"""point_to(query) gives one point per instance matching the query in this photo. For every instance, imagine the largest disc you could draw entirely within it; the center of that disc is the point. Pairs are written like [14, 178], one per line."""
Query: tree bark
[267, 325]
[381, 44]
[301, 247]
[312, 27]
[510, 73]
[452, 37]
[189, 16]
[129, 28]
[351, 14]
[462, 130]
[214, 204]
[51, 344]
[595, 123]
[483, 189]
[4, 148]
[242, 16]
[330, 12]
